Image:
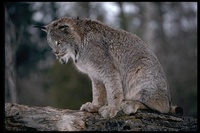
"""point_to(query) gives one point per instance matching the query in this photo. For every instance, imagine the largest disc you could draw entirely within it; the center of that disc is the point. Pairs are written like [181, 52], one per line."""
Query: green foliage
[67, 87]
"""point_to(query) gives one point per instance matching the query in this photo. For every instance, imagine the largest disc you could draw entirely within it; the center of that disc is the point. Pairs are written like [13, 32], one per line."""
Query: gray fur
[125, 74]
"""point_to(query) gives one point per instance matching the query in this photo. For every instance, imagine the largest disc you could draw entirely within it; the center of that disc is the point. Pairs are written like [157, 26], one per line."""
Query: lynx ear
[44, 28]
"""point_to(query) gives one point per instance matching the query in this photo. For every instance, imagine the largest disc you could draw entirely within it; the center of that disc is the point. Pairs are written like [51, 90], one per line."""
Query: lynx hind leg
[131, 107]
[160, 104]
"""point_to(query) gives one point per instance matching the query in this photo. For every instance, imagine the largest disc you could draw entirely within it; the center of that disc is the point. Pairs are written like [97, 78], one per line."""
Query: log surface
[31, 118]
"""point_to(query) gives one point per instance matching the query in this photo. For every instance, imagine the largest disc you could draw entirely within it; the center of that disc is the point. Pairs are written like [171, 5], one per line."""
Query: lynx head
[63, 38]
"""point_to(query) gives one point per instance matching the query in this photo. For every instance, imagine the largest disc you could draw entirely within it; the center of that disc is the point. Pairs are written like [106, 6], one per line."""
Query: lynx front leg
[99, 97]
[114, 97]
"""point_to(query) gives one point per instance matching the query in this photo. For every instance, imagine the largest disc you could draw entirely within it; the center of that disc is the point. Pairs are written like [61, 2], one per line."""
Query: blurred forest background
[33, 76]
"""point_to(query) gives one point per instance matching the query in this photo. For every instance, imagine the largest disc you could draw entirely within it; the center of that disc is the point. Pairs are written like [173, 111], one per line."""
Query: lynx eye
[63, 27]
[57, 43]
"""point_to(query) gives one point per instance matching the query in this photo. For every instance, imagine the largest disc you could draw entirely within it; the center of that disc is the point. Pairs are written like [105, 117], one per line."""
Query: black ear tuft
[44, 28]
[36, 26]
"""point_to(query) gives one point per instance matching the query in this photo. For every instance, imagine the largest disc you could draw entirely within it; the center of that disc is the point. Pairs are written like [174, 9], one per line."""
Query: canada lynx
[125, 74]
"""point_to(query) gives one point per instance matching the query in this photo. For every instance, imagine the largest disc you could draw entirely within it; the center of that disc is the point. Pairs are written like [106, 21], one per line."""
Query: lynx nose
[56, 52]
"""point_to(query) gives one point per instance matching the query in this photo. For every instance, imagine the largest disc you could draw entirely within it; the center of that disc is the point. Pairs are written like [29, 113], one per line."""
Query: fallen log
[31, 118]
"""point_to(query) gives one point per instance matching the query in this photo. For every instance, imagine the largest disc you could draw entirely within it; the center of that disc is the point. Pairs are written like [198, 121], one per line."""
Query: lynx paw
[89, 107]
[130, 110]
[108, 112]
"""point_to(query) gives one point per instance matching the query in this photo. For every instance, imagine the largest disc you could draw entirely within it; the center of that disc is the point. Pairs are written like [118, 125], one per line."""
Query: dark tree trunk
[10, 53]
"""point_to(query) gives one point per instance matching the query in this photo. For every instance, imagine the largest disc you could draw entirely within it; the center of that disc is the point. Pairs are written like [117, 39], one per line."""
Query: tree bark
[122, 17]
[26, 118]
[148, 24]
[10, 51]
